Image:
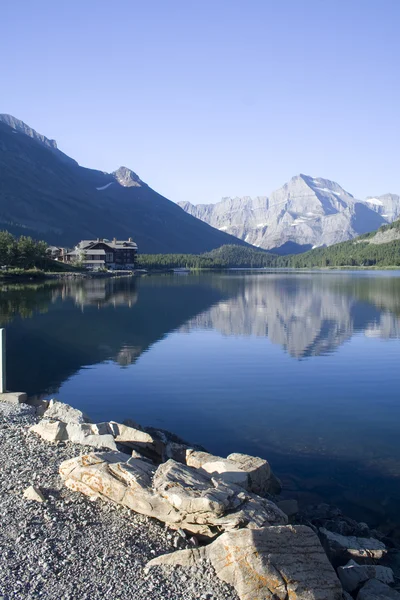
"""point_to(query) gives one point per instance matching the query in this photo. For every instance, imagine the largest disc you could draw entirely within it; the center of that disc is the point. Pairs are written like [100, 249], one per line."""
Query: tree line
[359, 253]
[22, 252]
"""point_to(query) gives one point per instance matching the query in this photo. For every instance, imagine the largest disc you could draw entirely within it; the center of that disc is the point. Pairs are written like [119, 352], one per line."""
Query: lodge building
[103, 253]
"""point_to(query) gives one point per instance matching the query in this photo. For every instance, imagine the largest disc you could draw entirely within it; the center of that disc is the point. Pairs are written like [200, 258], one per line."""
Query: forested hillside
[380, 248]
[221, 258]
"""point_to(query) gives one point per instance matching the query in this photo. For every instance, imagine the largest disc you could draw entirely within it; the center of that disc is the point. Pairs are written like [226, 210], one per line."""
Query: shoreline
[68, 275]
[106, 539]
[71, 548]
[49, 276]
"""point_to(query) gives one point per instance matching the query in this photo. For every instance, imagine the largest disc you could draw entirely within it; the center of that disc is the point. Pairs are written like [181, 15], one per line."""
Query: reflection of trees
[308, 315]
[23, 300]
[45, 350]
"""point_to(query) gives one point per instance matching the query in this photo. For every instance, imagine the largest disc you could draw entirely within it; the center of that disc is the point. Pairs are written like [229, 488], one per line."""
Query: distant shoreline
[49, 275]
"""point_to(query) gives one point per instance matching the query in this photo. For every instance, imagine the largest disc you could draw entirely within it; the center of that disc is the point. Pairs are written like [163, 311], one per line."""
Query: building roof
[114, 244]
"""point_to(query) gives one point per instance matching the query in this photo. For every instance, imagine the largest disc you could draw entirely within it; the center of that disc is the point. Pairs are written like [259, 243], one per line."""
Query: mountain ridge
[46, 194]
[306, 211]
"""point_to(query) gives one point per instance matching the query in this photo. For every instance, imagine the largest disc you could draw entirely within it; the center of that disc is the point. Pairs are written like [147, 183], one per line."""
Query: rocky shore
[112, 510]
[68, 548]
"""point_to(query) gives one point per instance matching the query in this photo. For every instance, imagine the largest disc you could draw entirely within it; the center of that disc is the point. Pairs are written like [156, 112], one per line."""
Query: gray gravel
[71, 548]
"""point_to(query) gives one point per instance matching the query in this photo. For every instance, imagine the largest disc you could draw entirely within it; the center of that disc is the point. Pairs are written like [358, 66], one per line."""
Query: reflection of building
[101, 253]
[99, 292]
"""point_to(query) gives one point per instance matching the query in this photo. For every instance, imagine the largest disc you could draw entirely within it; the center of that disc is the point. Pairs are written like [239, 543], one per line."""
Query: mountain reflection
[308, 315]
[56, 328]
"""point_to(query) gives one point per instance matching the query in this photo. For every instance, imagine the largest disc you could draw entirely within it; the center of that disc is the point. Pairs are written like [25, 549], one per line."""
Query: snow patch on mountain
[104, 187]
[375, 201]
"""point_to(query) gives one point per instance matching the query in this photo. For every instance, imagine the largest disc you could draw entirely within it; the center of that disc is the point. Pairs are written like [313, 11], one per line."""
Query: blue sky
[212, 98]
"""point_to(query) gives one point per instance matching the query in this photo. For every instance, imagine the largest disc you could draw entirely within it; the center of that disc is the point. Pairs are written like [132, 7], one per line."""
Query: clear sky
[212, 98]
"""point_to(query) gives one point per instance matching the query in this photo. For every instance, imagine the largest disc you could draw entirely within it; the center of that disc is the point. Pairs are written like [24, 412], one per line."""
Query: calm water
[302, 369]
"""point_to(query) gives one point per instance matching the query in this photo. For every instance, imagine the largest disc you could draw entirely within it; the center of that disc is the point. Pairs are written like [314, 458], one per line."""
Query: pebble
[71, 548]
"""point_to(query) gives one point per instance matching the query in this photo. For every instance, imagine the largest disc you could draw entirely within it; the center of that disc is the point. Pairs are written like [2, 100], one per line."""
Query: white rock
[353, 575]
[258, 470]
[83, 433]
[34, 493]
[174, 493]
[51, 431]
[217, 466]
[280, 563]
[251, 472]
[59, 411]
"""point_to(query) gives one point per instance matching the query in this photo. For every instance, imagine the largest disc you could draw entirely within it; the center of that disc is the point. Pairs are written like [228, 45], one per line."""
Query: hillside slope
[378, 248]
[46, 194]
[306, 212]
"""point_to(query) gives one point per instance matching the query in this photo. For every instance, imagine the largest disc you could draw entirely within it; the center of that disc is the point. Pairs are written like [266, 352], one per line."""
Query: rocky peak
[127, 178]
[22, 127]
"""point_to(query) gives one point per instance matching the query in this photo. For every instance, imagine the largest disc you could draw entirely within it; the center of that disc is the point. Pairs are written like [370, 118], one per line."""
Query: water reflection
[56, 328]
[76, 323]
[288, 366]
[307, 315]
[98, 292]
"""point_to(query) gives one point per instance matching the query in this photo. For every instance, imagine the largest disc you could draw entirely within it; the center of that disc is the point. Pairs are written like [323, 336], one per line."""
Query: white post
[3, 361]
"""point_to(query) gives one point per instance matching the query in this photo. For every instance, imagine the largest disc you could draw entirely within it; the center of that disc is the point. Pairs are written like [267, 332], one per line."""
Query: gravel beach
[71, 548]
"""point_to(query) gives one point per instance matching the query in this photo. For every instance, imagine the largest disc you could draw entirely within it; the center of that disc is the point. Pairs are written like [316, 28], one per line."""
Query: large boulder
[251, 472]
[353, 575]
[280, 563]
[174, 493]
[137, 439]
[340, 548]
[59, 411]
[51, 431]
[87, 435]
[376, 590]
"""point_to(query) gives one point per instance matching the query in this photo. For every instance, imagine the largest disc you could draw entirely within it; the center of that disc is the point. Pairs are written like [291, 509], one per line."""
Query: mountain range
[46, 194]
[305, 213]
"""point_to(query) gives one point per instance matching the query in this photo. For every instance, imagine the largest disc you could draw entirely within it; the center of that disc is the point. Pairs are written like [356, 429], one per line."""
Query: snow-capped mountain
[306, 212]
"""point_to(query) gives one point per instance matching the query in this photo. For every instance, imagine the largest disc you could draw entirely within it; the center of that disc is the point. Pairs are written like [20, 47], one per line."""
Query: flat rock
[340, 548]
[225, 469]
[258, 471]
[135, 438]
[251, 472]
[353, 575]
[270, 563]
[51, 431]
[59, 411]
[14, 397]
[86, 435]
[34, 493]
[376, 590]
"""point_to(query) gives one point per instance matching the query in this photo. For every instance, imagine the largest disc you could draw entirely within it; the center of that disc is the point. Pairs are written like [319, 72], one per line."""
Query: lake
[300, 368]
